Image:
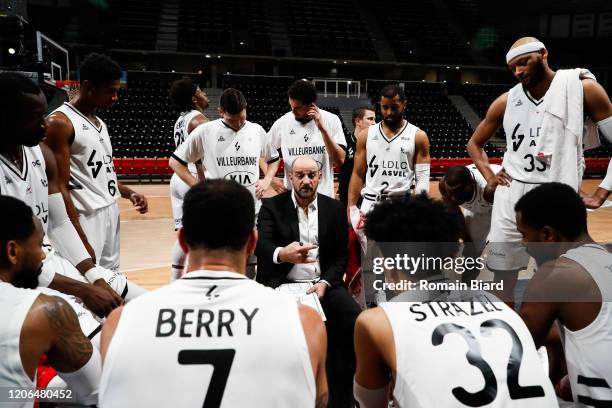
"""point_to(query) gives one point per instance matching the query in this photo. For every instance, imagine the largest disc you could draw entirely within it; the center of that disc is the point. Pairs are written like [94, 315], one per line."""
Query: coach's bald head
[305, 175]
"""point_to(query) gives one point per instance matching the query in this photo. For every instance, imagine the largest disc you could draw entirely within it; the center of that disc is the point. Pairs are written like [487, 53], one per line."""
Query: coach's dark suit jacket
[277, 225]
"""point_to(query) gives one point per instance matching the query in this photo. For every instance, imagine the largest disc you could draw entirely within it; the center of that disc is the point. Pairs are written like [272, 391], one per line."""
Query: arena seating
[138, 23]
[334, 29]
[417, 33]
[481, 96]
[239, 27]
[141, 123]
[431, 110]
[266, 96]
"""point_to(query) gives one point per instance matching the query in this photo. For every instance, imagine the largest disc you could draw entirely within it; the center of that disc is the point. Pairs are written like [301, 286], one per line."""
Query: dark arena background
[449, 55]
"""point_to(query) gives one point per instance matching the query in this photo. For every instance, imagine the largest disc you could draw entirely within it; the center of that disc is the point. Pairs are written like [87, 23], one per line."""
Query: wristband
[93, 274]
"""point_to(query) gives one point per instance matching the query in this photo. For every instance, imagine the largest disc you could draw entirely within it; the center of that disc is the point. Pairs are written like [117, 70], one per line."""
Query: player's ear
[548, 234]
[12, 252]
[182, 241]
[252, 242]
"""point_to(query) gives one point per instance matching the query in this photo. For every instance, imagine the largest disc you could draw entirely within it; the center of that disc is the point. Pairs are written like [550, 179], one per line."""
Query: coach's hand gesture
[296, 253]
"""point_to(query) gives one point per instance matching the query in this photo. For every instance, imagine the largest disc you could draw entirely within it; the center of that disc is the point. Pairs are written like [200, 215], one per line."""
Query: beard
[303, 120]
[393, 120]
[27, 278]
[305, 192]
[536, 76]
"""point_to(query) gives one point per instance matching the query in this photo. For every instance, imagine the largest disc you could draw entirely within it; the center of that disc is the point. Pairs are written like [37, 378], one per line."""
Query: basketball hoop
[71, 87]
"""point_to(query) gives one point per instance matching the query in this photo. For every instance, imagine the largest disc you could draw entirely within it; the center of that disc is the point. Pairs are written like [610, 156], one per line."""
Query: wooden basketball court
[146, 240]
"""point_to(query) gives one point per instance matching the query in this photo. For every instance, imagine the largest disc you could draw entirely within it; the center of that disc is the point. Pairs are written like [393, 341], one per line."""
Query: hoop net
[71, 87]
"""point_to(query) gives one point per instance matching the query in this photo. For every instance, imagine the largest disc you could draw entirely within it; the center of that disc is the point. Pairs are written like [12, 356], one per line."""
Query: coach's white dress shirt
[309, 234]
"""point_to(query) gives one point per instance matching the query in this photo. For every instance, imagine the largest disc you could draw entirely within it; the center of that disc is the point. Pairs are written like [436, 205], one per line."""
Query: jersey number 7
[221, 360]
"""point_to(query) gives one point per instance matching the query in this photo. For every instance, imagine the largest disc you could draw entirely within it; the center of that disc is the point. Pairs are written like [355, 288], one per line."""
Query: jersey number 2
[474, 357]
[221, 360]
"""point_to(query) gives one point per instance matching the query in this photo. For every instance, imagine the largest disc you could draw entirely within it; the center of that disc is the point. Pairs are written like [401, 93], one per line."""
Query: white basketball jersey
[214, 339]
[472, 352]
[227, 154]
[588, 352]
[390, 162]
[181, 131]
[28, 184]
[15, 303]
[93, 182]
[522, 124]
[477, 204]
[297, 139]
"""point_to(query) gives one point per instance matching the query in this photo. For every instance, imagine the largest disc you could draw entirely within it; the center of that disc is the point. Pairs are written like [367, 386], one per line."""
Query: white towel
[563, 131]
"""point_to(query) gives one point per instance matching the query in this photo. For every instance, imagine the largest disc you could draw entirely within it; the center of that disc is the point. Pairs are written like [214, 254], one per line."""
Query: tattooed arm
[53, 328]
[70, 349]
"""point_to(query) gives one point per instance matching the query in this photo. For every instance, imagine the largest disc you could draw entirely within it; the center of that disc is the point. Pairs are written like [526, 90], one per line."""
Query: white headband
[524, 49]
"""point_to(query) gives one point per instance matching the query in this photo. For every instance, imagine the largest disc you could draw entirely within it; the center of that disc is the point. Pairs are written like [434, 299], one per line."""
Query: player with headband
[529, 116]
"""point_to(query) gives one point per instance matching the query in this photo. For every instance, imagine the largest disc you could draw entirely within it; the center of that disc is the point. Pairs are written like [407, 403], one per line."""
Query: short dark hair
[556, 205]
[411, 219]
[304, 91]
[99, 69]
[181, 93]
[389, 91]
[414, 226]
[359, 113]
[12, 86]
[218, 214]
[232, 101]
[457, 176]
[17, 223]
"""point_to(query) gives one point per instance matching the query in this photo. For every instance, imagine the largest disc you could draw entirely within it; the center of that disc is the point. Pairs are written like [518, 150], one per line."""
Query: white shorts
[478, 225]
[506, 251]
[178, 189]
[367, 205]
[54, 263]
[102, 230]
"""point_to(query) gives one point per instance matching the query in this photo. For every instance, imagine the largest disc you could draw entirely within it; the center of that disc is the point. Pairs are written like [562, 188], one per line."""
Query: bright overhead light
[11, 51]
[345, 62]
[207, 55]
[456, 67]
[173, 71]
[349, 82]
[241, 42]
